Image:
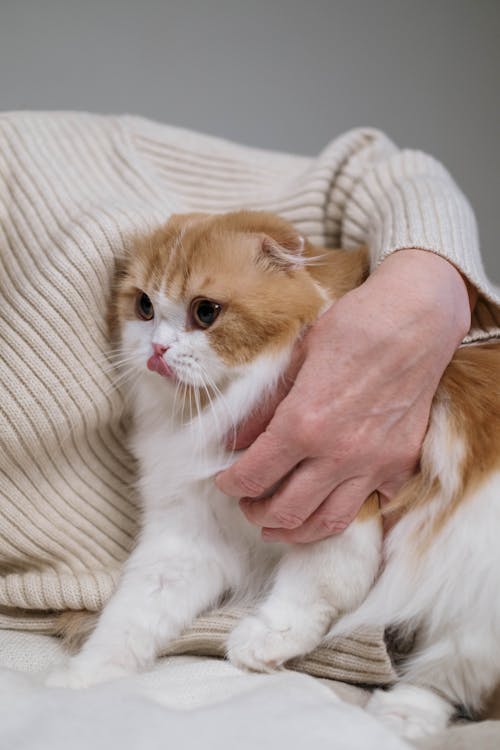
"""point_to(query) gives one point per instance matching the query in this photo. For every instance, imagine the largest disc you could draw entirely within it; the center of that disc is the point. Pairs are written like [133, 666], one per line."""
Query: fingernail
[219, 481]
[246, 503]
[268, 535]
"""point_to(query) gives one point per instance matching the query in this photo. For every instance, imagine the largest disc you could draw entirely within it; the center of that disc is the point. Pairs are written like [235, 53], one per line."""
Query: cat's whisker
[113, 368]
[120, 364]
[86, 375]
[213, 410]
[190, 405]
[111, 354]
[65, 432]
[223, 401]
[176, 397]
[122, 370]
[183, 408]
[211, 404]
[316, 260]
[72, 423]
[200, 442]
[119, 383]
[124, 379]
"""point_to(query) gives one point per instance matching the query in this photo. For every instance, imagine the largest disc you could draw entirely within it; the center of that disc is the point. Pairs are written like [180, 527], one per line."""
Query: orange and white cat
[208, 310]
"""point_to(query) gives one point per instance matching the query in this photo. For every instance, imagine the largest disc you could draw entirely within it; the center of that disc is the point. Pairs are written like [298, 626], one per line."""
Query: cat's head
[204, 296]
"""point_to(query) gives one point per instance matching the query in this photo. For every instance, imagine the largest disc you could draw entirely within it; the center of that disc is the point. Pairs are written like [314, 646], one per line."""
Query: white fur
[444, 451]
[195, 545]
[410, 711]
[447, 592]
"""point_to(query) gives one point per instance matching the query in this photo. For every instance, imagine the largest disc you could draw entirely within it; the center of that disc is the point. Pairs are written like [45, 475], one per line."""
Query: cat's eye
[144, 307]
[204, 312]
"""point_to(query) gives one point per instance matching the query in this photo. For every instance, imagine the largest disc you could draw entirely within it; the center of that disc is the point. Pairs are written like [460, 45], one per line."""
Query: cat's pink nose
[159, 349]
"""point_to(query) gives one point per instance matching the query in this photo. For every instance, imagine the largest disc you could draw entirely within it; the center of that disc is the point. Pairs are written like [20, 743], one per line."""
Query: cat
[207, 310]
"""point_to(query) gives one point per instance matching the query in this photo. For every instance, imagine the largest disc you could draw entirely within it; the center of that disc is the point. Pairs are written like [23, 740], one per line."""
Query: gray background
[281, 74]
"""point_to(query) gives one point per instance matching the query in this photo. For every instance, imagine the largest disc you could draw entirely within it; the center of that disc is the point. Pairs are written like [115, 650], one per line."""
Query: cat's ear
[285, 254]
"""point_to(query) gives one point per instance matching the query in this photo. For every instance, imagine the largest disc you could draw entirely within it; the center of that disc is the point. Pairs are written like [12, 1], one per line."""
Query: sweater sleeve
[360, 190]
[392, 199]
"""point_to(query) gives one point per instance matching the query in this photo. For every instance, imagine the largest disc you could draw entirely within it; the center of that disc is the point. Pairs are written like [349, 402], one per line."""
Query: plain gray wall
[282, 74]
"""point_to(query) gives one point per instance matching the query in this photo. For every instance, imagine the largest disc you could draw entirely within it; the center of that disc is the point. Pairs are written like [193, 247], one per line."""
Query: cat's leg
[449, 597]
[314, 584]
[168, 580]
[459, 670]
[411, 711]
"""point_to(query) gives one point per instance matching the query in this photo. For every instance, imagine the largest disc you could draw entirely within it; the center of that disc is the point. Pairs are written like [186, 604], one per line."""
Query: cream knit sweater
[73, 189]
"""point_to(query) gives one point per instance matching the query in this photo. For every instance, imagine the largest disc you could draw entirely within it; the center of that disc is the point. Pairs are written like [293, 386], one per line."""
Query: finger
[388, 491]
[259, 419]
[251, 428]
[332, 517]
[297, 498]
[267, 461]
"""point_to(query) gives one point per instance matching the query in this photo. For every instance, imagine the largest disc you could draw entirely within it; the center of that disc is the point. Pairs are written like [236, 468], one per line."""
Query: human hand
[354, 419]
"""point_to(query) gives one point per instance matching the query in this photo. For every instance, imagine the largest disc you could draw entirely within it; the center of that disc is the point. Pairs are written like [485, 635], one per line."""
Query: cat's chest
[176, 463]
[177, 466]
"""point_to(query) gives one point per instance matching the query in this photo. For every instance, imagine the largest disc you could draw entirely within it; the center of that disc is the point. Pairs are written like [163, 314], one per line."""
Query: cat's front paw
[78, 674]
[258, 646]
[410, 711]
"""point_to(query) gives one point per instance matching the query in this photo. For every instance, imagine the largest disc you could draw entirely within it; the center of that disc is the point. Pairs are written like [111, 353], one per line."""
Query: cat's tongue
[158, 364]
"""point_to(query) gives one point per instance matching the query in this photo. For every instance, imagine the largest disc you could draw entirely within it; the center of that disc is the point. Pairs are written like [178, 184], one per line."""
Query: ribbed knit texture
[74, 189]
[361, 659]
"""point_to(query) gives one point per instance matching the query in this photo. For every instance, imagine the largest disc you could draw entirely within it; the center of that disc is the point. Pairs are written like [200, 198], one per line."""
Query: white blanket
[185, 702]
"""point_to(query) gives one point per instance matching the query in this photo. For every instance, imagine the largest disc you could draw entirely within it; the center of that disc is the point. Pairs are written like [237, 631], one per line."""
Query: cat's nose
[159, 349]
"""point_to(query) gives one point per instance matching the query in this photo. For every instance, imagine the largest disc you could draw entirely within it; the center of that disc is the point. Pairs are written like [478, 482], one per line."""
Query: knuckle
[345, 447]
[248, 485]
[328, 526]
[250, 509]
[409, 447]
[414, 450]
[292, 536]
[308, 430]
[287, 520]
[405, 457]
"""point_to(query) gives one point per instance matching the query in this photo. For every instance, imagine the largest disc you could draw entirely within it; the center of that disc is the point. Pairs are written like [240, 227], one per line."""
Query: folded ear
[281, 246]
[285, 253]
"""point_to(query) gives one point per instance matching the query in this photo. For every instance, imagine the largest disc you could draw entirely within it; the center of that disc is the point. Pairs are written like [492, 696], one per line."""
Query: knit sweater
[74, 188]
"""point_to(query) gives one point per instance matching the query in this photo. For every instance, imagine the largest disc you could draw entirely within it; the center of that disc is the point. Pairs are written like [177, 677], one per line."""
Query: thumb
[257, 421]
[254, 424]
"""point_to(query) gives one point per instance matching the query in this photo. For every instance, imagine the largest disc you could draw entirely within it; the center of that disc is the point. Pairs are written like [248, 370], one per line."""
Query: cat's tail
[75, 627]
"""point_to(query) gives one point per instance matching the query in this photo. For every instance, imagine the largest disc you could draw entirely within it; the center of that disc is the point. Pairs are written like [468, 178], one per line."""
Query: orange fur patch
[268, 299]
[370, 508]
[230, 259]
[470, 393]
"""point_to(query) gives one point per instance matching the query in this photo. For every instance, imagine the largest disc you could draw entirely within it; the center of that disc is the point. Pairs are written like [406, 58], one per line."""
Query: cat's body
[215, 305]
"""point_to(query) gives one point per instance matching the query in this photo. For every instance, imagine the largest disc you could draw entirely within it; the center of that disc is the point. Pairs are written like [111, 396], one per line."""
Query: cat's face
[206, 295]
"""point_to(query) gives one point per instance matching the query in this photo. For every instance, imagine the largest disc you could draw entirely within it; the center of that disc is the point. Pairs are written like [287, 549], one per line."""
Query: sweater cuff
[409, 200]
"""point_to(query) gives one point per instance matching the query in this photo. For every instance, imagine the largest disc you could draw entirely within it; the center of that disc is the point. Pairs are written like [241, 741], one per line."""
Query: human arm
[355, 418]
[356, 415]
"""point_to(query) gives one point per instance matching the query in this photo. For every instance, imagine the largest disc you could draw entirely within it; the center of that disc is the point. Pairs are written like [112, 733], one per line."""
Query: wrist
[426, 284]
